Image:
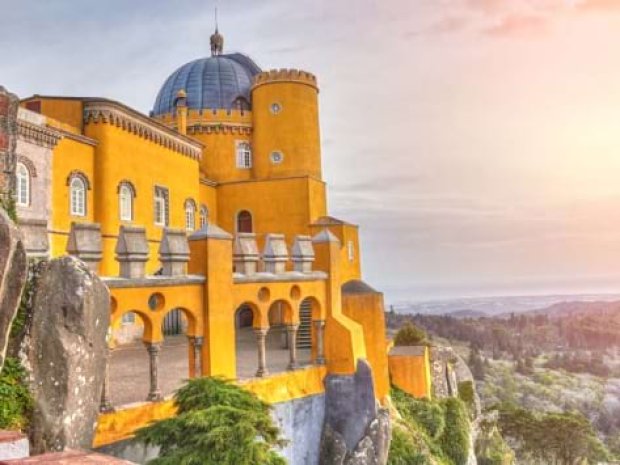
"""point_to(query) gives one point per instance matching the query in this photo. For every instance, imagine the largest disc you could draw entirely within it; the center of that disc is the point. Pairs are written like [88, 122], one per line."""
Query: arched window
[244, 222]
[126, 193]
[160, 202]
[77, 188]
[204, 216]
[190, 215]
[244, 155]
[22, 186]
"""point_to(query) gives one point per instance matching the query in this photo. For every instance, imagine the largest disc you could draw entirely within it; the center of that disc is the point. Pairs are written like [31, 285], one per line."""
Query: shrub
[409, 335]
[403, 451]
[429, 415]
[455, 437]
[15, 399]
[217, 423]
[466, 394]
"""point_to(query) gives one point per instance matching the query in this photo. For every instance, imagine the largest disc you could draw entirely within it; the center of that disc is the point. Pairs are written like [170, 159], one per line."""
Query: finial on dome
[217, 40]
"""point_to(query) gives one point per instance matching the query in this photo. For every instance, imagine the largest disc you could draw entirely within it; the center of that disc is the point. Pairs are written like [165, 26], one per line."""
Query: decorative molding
[219, 128]
[208, 182]
[128, 183]
[82, 176]
[108, 112]
[27, 162]
[40, 135]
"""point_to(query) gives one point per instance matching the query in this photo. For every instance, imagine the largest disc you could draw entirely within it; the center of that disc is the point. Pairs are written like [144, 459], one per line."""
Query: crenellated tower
[286, 124]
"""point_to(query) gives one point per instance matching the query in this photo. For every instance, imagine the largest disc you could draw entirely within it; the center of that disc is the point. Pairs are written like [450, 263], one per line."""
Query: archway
[245, 341]
[176, 350]
[128, 371]
[309, 310]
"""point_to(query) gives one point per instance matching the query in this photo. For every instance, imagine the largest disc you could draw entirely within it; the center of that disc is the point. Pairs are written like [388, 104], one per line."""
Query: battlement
[285, 75]
[208, 115]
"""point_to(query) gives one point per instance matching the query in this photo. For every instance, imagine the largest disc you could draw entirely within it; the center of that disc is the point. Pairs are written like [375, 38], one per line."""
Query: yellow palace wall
[124, 156]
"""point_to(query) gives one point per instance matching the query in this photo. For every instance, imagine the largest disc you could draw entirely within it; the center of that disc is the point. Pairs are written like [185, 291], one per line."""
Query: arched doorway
[174, 357]
[245, 342]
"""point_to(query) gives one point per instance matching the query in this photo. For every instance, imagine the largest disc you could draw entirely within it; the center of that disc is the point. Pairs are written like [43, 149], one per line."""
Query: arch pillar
[106, 402]
[261, 334]
[154, 348]
[291, 332]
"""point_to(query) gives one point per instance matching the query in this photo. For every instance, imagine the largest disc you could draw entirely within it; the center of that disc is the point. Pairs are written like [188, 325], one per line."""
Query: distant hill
[504, 306]
[579, 308]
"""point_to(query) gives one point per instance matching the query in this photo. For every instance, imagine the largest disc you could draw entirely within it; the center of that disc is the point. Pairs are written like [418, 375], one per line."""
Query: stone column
[261, 334]
[153, 349]
[195, 343]
[106, 402]
[319, 326]
[291, 331]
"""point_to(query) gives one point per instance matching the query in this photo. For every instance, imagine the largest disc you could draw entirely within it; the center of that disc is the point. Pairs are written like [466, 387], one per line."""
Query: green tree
[217, 423]
[409, 335]
[455, 438]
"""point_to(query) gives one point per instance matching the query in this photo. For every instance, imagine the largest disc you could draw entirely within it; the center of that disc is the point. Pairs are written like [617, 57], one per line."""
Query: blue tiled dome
[213, 82]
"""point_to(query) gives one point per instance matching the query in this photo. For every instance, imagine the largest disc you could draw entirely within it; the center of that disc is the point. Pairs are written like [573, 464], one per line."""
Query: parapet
[174, 252]
[275, 254]
[302, 254]
[245, 254]
[285, 75]
[85, 243]
[132, 251]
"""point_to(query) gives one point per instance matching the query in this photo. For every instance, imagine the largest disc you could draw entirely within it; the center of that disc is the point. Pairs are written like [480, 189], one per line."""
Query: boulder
[356, 431]
[13, 274]
[67, 355]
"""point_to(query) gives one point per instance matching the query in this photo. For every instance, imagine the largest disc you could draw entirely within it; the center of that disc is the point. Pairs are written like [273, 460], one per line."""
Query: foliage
[15, 399]
[455, 438]
[217, 423]
[409, 335]
[491, 448]
[9, 205]
[467, 394]
[429, 415]
[403, 450]
[562, 438]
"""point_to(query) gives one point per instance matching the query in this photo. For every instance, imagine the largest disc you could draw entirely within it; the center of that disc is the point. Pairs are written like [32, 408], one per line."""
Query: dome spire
[217, 40]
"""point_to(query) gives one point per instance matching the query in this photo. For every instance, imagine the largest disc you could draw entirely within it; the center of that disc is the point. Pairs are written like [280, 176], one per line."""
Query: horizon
[475, 142]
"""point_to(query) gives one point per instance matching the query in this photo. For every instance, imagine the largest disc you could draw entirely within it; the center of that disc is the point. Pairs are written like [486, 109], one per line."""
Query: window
[276, 108]
[276, 157]
[161, 206]
[351, 250]
[22, 186]
[77, 187]
[204, 216]
[244, 222]
[128, 318]
[126, 193]
[244, 155]
[190, 215]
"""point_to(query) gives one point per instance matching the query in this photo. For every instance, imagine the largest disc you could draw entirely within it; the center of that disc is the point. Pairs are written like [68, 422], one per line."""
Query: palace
[208, 218]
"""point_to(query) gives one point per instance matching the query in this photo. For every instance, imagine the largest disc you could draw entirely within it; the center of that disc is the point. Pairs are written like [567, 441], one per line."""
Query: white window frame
[204, 216]
[22, 185]
[351, 250]
[190, 215]
[125, 203]
[77, 193]
[160, 206]
[243, 154]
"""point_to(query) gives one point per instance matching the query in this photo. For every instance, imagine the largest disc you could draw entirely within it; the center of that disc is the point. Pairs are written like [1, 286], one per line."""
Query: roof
[357, 286]
[331, 221]
[213, 82]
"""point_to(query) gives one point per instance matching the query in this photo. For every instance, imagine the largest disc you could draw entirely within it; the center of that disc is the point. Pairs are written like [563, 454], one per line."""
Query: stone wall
[301, 422]
[8, 137]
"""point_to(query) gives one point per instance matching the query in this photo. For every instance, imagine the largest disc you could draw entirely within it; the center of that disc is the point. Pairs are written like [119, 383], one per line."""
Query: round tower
[285, 115]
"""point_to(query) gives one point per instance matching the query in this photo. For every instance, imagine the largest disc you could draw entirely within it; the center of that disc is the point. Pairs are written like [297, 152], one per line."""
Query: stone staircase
[304, 334]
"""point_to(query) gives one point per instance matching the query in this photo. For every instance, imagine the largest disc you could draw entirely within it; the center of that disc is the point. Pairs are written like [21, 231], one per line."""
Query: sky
[475, 142]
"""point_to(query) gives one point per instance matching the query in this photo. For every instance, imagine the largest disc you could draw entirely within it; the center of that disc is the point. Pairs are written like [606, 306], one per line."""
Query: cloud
[519, 26]
[599, 5]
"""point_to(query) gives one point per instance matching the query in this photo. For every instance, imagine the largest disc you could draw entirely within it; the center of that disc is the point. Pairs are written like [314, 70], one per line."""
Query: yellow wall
[286, 206]
[69, 155]
[367, 310]
[293, 131]
[124, 156]
[346, 233]
[68, 111]
[207, 195]
[412, 374]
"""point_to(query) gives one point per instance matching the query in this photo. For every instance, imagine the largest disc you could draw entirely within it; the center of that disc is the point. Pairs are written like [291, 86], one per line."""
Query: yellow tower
[285, 113]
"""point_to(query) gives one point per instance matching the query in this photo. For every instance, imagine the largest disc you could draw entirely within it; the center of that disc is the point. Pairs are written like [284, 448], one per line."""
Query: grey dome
[214, 82]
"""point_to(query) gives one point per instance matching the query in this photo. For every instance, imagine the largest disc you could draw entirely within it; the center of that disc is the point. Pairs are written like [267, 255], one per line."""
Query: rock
[67, 355]
[13, 273]
[356, 431]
